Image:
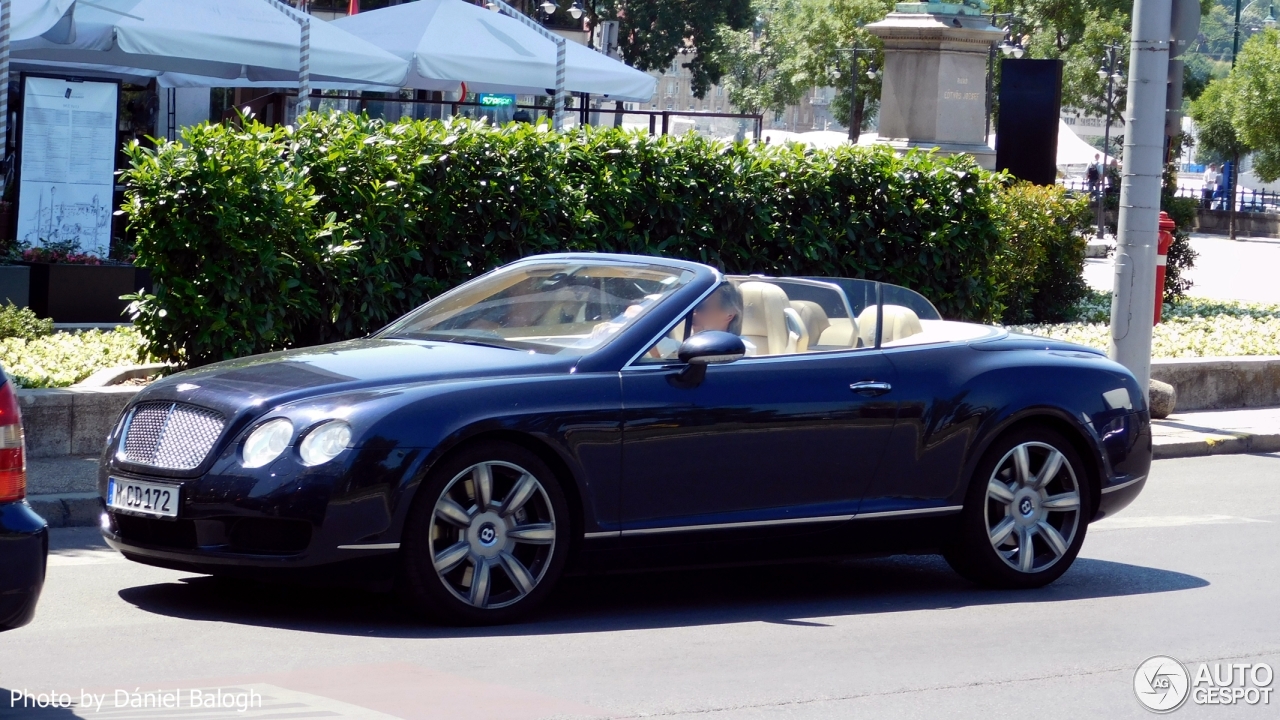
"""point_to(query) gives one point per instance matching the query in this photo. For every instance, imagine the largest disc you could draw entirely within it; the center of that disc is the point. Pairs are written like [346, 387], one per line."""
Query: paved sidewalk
[1217, 432]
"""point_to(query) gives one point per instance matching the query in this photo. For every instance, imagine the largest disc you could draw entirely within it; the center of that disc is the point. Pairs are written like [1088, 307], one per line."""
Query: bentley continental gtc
[584, 413]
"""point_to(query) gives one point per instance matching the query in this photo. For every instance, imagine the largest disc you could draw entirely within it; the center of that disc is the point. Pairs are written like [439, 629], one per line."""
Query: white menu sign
[67, 172]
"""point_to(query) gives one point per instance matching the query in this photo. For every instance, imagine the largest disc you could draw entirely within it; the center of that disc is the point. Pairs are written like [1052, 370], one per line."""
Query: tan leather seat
[814, 318]
[764, 322]
[899, 322]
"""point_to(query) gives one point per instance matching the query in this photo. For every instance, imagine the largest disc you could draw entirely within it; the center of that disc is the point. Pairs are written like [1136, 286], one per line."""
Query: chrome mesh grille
[171, 435]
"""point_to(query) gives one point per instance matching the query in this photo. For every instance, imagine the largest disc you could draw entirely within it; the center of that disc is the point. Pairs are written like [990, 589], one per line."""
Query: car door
[763, 440]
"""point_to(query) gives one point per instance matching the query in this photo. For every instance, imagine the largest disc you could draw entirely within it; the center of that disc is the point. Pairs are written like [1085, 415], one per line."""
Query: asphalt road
[1190, 570]
[1225, 269]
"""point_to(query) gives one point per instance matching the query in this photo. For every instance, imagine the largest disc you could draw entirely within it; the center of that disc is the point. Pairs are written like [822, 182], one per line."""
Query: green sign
[491, 100]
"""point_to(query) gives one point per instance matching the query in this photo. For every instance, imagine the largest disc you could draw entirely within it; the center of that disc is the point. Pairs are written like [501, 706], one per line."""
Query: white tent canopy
[223, 40]
[1072, 150]
[33, 18]
[448, 42]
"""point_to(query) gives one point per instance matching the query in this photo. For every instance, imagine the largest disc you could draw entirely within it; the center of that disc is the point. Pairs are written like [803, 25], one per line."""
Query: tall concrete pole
[1133, 300]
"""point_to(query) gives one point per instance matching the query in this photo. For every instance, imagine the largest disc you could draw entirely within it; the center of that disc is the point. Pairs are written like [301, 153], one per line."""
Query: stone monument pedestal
[934, 94]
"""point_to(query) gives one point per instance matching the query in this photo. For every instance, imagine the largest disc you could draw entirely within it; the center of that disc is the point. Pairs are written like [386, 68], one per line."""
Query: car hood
[264, 381]
[1020, 341]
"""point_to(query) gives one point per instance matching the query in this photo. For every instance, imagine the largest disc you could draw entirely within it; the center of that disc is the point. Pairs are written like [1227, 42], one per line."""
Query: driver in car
[721, 310]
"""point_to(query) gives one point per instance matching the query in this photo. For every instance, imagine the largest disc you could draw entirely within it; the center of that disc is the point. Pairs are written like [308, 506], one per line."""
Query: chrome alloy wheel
[1033, 507]
[491, 552]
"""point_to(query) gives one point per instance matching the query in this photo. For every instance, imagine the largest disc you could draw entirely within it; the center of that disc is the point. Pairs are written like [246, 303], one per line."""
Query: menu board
[67, 169]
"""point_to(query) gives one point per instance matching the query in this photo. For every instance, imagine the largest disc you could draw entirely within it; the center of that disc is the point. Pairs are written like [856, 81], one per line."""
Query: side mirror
[706, 348]
[711, 347]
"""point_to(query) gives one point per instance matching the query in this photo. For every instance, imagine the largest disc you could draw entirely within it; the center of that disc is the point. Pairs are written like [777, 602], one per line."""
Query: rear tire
[487, 537]
[1024, 517]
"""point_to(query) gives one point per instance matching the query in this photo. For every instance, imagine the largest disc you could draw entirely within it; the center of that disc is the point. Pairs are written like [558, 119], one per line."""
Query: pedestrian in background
[1093, 175]
[1210, 186]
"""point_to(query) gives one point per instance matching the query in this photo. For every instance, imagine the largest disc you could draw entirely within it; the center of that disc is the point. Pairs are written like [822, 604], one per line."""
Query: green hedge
[1041, 263]
[261, 238]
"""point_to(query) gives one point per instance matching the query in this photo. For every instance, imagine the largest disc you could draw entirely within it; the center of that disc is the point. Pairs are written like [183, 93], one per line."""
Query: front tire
[1024, 518]
[487, 536]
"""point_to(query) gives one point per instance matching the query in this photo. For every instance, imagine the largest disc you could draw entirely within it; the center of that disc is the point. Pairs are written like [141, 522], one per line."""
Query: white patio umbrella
[22, 20]
[447, 42]
[251, 40]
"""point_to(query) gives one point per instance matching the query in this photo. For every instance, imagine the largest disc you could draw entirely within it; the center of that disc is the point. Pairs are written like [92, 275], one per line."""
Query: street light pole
[1134, 297]
[855, 122]
[1110, 69]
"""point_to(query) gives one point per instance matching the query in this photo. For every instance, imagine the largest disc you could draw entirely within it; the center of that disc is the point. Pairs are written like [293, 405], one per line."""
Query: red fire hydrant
[1167, 227]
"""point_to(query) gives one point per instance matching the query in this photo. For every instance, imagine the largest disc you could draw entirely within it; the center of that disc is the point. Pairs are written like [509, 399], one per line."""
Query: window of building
[671, 87]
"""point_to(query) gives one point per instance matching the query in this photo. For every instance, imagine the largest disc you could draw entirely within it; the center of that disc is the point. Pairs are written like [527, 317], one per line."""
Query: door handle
[871, 388]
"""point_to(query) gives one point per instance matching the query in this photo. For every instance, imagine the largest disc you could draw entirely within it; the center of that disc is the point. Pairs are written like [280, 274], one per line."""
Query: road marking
[1159, 521]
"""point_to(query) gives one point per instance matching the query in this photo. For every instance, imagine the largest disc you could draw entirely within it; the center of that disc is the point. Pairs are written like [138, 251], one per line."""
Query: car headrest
[763, 320]
[814, 317]
[899, 323]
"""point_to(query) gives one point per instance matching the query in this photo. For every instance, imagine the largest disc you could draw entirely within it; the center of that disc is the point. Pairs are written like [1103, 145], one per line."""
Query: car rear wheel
[1024, 519]
[487, 536]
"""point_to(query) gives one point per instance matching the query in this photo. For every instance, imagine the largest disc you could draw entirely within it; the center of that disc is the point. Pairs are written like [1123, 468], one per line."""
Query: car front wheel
[487, 536]
[1024, 519]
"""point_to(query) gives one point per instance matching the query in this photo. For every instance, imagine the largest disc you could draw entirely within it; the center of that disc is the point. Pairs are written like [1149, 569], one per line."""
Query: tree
[1214, 113]
[1076, 32]
[1255, 102]
[652, 32]
[800, 44]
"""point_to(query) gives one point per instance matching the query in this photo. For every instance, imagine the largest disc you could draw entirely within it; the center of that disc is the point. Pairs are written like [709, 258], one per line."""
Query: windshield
[559, 307]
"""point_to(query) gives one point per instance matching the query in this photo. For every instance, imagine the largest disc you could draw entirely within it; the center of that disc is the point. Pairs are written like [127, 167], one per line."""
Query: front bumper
[280, 520]
[1127, 448]
[24, 551]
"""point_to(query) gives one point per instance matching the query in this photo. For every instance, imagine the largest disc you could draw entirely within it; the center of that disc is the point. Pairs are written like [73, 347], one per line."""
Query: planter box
[15, 285]
[84, 293]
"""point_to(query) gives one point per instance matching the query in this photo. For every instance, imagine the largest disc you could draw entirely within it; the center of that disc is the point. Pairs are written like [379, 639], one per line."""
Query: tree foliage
[796, 45]
[1255, 104]
[652, 32]
[1240, 114]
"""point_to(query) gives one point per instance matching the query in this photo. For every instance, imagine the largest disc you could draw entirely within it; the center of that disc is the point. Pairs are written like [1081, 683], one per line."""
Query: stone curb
[71, 421]
[1221, 383]
[67, 509]
[1233, 444]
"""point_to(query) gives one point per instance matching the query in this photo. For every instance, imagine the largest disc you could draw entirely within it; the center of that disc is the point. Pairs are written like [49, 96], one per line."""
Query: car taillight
[13, 459]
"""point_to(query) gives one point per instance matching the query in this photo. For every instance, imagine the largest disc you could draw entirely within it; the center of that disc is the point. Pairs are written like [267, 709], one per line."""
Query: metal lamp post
[1110, 73]
[855, 122]
[1010, 46]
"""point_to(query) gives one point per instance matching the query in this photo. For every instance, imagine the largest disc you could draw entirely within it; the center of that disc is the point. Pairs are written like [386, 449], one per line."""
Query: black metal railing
[1246, 199]
[736, 126]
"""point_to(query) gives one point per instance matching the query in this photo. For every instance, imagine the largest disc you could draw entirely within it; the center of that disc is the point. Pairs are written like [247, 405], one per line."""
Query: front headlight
[325, 442]
[267, 442]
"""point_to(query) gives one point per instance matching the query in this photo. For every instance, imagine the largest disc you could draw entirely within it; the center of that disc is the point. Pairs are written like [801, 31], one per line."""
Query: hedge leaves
[261, 238]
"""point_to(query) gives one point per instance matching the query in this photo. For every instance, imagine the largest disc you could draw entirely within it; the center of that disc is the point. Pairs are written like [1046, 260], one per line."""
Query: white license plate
[142, 497]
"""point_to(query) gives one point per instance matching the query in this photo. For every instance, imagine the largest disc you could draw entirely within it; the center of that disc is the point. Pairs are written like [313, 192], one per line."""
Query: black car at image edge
[24, 535]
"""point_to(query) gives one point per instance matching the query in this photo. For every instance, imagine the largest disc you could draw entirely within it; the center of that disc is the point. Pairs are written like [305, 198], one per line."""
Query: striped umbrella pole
[5, 19]
[559, 97]
[304, 59]
[304, 70]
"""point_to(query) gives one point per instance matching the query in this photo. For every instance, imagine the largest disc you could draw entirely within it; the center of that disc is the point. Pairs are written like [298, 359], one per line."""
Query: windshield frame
[687, 273]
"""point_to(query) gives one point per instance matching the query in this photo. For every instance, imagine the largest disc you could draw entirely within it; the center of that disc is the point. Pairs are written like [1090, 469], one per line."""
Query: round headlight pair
[269, 440]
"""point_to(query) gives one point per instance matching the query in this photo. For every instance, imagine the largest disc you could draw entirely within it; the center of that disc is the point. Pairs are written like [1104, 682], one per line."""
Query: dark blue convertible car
[589, 413]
